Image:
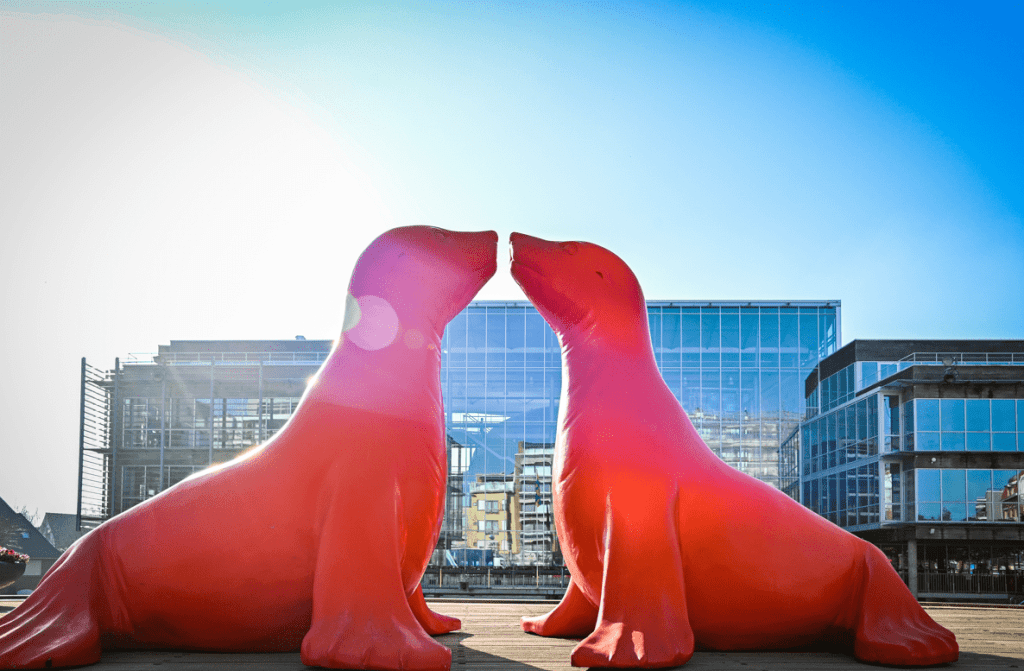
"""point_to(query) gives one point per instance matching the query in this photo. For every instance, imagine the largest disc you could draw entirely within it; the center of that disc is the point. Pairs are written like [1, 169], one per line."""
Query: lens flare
[370, 322]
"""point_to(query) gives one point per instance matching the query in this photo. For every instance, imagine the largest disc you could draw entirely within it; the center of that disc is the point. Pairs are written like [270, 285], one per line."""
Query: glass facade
[864, 438]
[924, 456]
[738, 370]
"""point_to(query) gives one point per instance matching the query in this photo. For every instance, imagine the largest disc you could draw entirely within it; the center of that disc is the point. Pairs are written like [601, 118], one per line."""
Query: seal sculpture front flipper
[433, 623]
[348, 496]
[659, 633]
[668, 547]
[574, 616]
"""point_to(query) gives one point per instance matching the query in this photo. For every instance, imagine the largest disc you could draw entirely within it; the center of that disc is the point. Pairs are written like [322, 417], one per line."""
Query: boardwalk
[990, 639]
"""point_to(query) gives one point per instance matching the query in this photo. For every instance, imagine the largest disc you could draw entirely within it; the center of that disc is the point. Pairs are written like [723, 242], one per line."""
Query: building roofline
[897, 350]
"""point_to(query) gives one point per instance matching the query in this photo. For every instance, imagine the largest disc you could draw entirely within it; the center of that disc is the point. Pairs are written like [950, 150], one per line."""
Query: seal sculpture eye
[570, 247]
[599, 274]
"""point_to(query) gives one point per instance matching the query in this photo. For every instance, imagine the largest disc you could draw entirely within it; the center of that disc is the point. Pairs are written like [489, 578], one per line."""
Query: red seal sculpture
[350, 493]
[670, 548]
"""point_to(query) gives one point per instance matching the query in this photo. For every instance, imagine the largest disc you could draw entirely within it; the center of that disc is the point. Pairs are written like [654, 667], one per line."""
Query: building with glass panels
[737, 368]
[148, 424]
[918, 447]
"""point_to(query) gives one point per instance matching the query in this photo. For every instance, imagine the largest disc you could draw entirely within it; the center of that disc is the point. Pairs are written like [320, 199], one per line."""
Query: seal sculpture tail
[56, 625]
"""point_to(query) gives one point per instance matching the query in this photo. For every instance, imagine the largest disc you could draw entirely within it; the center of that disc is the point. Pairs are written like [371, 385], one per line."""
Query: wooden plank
[491, 640]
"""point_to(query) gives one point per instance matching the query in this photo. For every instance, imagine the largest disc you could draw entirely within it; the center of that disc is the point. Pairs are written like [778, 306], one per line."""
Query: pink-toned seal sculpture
[350, 494]
[669, 548]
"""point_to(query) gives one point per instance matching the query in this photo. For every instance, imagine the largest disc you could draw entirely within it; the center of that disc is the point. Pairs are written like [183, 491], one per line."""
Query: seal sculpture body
[348, 497]
[668, 547]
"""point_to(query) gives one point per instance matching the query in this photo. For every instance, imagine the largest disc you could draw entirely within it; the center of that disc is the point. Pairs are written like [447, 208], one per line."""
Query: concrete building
[918, 447]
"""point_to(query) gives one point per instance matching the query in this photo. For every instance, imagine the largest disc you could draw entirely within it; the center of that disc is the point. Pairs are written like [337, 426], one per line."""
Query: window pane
[979, 482]
[1002, 415]
[769, 331]
[808, 337]
[954, 512]
[1004, 442]
[654, 324]
[769, 394]
[749, 330]
[789, 339]
[730, 332]
[928, 485]
[710, 328]
[689, 327]
[927, 414]
[977, 414]
[928, 511]
[952, 414]
[979, 442]
[953, 441]
[670, 336]
[927, 441]
[954, 485]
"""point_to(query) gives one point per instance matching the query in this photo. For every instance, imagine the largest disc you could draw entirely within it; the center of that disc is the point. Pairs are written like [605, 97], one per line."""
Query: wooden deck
[491, 640]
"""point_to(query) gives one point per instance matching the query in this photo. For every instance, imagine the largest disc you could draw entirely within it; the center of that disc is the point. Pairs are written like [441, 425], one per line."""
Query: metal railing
[966, 358]
[484, 581]
[233, 358]
[1007, 583]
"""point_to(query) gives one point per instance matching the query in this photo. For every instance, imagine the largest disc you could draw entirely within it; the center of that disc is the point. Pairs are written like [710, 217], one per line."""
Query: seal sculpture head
[350, 492]
[669, 547]
[600, 289]
[425, 274]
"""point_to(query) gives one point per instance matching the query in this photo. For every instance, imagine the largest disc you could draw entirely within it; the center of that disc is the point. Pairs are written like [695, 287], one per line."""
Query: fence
[1005, 584]
[526, 582]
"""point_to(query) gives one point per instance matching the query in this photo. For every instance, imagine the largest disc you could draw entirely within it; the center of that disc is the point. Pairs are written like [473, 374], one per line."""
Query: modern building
[150, 423]
[737, 368]
[918, 447]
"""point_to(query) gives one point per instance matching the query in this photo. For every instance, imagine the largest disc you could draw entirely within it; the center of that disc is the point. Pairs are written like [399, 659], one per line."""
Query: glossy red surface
[316, 539]
[670, 548]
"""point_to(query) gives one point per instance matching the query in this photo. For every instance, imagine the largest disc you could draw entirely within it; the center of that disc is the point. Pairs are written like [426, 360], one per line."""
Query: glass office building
[918, 446]
[737, 368]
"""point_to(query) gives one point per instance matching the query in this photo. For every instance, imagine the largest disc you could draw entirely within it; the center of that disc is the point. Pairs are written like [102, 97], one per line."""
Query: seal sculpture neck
[406, 287]
[401, 379]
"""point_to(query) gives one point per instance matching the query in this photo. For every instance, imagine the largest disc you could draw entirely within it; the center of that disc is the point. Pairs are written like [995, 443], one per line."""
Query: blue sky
[212, 170]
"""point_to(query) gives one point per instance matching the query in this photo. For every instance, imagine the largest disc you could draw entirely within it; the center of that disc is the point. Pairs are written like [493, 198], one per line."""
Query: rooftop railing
[233, 358]
[966, 358]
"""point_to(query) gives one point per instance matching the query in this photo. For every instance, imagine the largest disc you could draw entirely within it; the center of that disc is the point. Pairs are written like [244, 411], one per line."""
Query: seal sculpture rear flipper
[434, 623]
[573, 617]
[55, 626]
[658, 634]
[891, 627]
